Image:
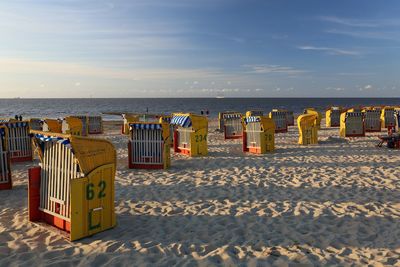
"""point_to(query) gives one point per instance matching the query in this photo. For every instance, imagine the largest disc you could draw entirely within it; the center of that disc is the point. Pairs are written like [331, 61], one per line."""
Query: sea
[59, 108]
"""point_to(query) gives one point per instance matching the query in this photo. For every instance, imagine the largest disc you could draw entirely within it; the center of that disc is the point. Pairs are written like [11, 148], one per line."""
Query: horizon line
[233, 97]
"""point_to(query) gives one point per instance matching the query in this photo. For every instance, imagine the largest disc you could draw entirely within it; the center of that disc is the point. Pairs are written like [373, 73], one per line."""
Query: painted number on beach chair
[90, 190]
[90, 195]
[200, 138]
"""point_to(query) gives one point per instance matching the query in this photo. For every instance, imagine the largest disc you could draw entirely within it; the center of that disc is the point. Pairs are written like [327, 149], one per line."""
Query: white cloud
[384, 35]
[264, 69]
[349, 22]
[330, 50]
[362, 23]
[366, 88]
[335, 89]
[355, 74]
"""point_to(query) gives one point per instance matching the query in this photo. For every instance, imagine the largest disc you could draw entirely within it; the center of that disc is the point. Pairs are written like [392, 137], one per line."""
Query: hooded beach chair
[332, 117]
[258, 134]
[73, 189]
[308, 129]
[95, 124]
[280, 119]
[5, 166]
[19, 140]
[230, 123]
[190, 134]
[372, 120]
[352, 124]
[36, 124]
[289, 116]
[387, 117]
[149, 145]
[397, 120]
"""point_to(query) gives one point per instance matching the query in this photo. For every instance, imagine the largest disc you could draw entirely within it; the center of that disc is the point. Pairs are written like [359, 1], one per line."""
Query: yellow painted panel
[92, 152]
[78, 208]
[328, 118]
[199, 145]
[383, 115]
[267, 123]
[269, 138]
[312, 111]
[101, 213]
[74, 125]
[129, 118]
[308, 129]
[167, 155]
[92, 202]
[267, 134]
[54, 125]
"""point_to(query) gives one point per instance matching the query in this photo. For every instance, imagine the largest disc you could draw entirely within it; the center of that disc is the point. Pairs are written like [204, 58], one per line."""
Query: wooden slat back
[59, 166]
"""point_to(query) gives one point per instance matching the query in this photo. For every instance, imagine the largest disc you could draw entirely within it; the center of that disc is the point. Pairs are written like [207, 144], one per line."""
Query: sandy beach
[335, 203]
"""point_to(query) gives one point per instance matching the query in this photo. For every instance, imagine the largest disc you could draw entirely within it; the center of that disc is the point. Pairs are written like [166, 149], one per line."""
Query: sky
[199, 48]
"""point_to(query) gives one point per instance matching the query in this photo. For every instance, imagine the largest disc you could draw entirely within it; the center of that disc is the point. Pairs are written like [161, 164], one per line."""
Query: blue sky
[199, 48]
